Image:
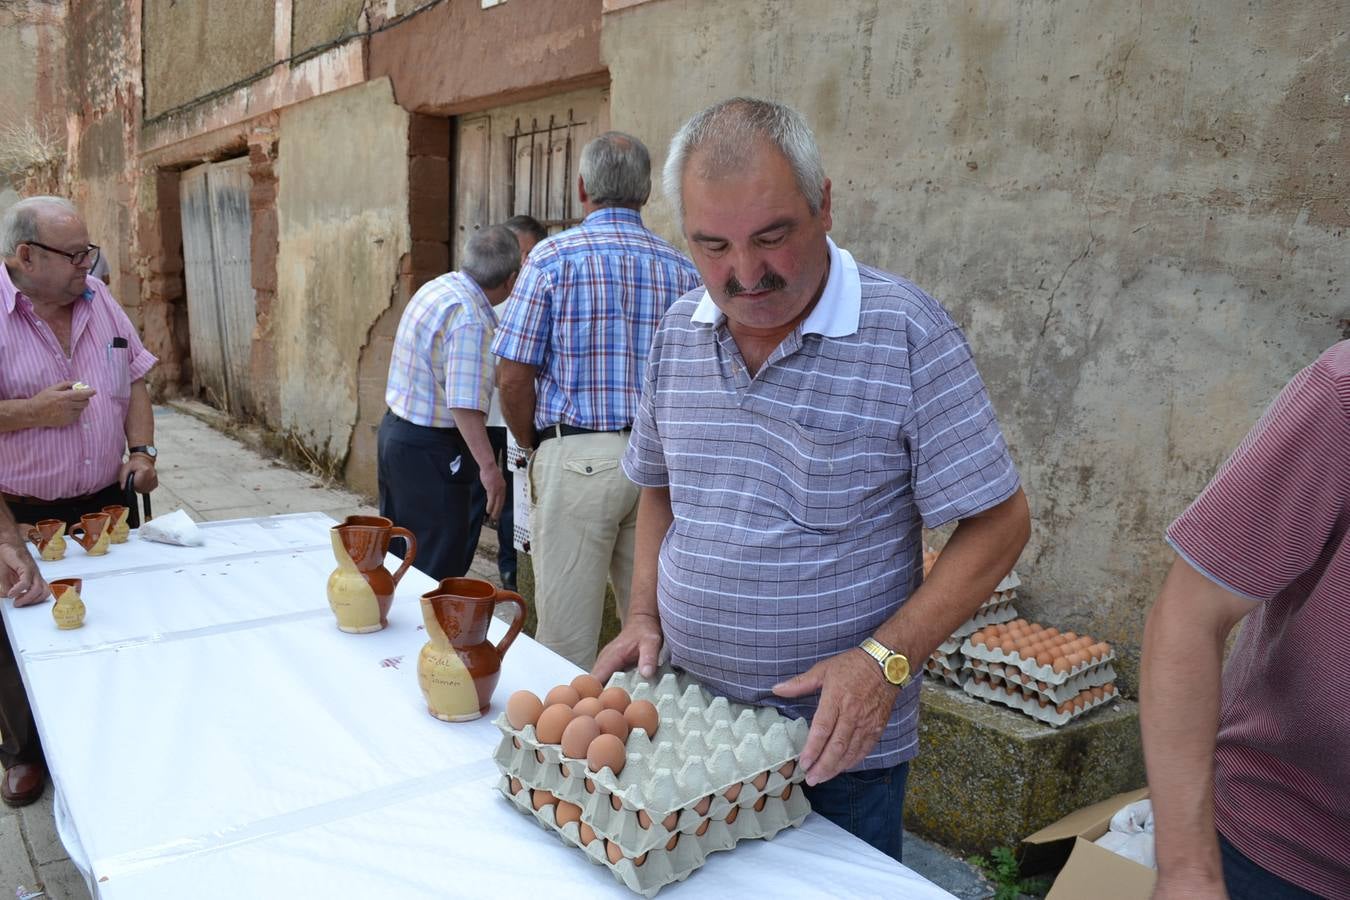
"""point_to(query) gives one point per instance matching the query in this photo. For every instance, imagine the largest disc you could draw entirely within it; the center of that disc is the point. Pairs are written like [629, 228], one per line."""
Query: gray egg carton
[706, 748]
[1088, 676]
[1029, 705]
[989, 614]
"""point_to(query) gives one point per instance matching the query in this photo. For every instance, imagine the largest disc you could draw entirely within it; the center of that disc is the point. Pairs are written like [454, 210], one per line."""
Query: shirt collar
[835, 315]
[480, 299]
[9, 294]
[610, 214]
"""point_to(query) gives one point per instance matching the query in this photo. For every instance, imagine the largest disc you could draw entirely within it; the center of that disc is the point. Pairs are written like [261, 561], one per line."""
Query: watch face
[897, 669]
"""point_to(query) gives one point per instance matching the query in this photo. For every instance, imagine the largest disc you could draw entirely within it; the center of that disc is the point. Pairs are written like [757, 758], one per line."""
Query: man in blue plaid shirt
[573, 346]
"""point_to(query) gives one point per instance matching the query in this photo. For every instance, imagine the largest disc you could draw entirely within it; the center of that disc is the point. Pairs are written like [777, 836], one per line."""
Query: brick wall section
[262, 154]
[429, 224]
[163, 302]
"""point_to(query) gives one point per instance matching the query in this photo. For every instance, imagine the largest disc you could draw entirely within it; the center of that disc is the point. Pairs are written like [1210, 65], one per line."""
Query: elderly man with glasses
[75, 415]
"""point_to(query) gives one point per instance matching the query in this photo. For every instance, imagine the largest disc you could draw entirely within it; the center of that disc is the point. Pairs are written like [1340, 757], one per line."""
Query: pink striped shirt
[55, 463]
[1272, 526]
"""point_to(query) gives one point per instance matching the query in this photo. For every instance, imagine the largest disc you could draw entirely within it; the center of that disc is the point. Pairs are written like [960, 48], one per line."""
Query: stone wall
[1137, 212]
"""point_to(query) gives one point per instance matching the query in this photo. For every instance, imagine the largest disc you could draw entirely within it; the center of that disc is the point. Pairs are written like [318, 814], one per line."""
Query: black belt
[560, 430]
[38, 501]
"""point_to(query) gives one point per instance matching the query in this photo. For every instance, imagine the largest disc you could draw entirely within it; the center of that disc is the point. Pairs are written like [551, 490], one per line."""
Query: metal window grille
[543, 170]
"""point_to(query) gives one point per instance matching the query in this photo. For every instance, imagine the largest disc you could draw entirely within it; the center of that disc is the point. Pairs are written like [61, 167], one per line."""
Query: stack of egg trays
[1019, 698]
[946, 662]
[706, 747]
[1075, 681]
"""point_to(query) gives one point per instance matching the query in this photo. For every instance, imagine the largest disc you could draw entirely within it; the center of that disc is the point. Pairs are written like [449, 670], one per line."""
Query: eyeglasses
[78, 258]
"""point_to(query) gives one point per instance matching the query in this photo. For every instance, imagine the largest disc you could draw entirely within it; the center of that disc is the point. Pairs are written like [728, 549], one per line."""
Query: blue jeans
[868, 804]
[1246, 880]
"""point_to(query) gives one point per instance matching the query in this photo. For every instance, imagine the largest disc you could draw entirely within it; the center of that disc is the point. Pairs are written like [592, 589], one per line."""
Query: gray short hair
[728, 132]
[19, 224]
[491, 257]
[617, 170]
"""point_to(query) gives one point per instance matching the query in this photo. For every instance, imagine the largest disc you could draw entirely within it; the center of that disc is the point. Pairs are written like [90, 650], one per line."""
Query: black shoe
[509, 581]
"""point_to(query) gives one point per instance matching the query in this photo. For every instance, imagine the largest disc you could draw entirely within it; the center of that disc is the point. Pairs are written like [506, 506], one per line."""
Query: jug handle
[505, 596]
[82, 540]
[410, 540]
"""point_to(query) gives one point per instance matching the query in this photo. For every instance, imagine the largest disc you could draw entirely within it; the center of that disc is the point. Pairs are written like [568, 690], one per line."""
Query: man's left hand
[855, 704]
[146, 477]
[19, 576]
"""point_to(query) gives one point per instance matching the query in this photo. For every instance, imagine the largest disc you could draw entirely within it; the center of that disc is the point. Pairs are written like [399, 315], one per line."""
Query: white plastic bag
[1131, 834]
[175, 528]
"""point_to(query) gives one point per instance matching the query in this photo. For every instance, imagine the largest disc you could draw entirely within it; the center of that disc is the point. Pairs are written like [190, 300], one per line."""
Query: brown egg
[588, 706]
[612, 851]
[704, 827]
[674, 839]
[615, 803]
[577, 736]
[978, 638]
[759, 804]
[615, 698]
[539, 756]
[1020, 623]
[1052, 631]
[1043, 701]
[787, 792]
[566, 812]
[551, 724]
[515, 742]
[523, 708]
[1096, 694]
[787, 768]
[588, 785]
[563, 693]
[586, 833]
[640, 860]
[702, 806]
[1064, 707]
[671, 821]
[644, 820]
[1046, 657]
[1109, 690]
[587, 685]
[1008, 644]
[606, 751]
[732, 814]
[542, 798]
[1077, 658]
[1101, 650]
[760, 780]
[1069, 636]
[516, 786]
[611, 721]
[642, 714]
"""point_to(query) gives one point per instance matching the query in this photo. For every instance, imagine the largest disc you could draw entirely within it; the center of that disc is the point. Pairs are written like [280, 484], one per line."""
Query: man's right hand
[20, 579]
[639, 642]
[60, 405]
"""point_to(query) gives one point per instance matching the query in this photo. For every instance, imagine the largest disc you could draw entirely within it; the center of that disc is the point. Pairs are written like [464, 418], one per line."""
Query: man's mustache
[771, 281]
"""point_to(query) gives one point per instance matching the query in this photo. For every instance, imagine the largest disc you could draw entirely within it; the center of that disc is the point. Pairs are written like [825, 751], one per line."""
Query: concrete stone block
[987, 776]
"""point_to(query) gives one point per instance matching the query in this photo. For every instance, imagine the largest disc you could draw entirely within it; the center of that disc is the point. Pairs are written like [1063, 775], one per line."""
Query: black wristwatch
[145, 450]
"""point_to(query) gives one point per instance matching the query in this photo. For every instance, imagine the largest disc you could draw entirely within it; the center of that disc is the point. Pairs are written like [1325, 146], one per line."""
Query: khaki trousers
[583, 527]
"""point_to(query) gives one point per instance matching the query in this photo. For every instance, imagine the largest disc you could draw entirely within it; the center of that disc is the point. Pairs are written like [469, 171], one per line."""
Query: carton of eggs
[1035, 703]
[946, 662]
[651, 777]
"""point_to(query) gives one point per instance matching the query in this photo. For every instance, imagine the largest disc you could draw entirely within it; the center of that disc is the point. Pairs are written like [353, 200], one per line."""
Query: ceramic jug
[360, 591]
[117, 523]
[94, 533]
[48, 536]
[68, 610]
[459, 667]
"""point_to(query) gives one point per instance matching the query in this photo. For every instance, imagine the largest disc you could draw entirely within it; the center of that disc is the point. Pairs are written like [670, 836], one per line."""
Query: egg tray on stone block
[1044, 654]
[714, 773]
[1039, 707]
[1082, 680]
[940, 668]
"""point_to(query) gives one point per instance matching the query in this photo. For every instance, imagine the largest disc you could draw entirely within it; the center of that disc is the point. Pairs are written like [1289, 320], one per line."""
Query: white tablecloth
[211, 733]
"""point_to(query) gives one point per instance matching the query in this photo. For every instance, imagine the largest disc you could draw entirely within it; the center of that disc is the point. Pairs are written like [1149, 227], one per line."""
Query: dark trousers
[506, 522]
[869, 805]
[18, 733]
[426, 479]
[1246, 880]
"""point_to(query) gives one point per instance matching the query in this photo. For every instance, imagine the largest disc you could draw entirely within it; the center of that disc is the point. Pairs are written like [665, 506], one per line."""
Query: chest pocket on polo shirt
[838, 470]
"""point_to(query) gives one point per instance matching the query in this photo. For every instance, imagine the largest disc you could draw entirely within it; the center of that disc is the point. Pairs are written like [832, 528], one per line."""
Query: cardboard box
[1088, 870]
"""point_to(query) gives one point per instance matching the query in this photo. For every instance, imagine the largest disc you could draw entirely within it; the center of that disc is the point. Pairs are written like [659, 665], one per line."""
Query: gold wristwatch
[894, 666]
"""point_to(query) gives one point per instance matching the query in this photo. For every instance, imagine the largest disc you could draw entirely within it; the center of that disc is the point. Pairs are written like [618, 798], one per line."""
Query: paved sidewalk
[214, 476]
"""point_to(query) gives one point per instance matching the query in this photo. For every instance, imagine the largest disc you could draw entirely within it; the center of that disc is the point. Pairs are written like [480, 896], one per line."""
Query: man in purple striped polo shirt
[802, 419]
[1250, 770]
[73, 400]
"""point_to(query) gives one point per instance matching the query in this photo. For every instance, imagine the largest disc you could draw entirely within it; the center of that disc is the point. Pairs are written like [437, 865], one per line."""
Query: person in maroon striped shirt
[73, 400]
[1250, 771]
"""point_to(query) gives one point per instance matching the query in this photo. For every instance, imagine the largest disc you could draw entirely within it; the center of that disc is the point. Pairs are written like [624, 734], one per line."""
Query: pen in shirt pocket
[117, 343]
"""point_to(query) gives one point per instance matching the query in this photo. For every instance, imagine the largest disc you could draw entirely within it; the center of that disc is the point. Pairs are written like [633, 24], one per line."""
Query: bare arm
[54, 407]
[640, 639]
[855, 698]
[1179, 716]
[472, 425]
[515, 386]
[140, 429]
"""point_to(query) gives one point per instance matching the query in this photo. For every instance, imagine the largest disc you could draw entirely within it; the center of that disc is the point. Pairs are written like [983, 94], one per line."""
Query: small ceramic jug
[93, 533]
[48, 536]
[459, 667]
[68, 610]
[360, 591]
[117, 519]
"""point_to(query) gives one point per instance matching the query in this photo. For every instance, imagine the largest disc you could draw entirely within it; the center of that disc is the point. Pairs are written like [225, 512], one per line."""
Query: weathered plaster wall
[32, 98]
[1138, 212]
[457, 56]
[316, 22]
[192, 49]
[342, 225]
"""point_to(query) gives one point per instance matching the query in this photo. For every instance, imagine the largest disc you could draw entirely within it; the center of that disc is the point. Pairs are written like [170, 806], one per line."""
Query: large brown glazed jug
[459, 667]
[360, 590]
